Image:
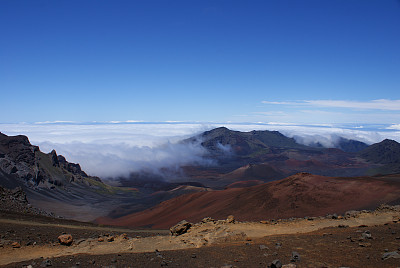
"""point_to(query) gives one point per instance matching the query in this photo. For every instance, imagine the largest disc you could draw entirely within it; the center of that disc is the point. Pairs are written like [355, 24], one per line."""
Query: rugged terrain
[354, 239]
[280, 214]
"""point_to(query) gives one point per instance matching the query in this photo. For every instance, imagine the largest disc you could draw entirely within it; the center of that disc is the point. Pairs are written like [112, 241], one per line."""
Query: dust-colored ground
[320, 242]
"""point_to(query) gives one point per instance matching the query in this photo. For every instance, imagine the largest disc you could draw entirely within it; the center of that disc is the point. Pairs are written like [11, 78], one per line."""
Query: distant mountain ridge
[235, 150]
[386, 153]
[245, 143]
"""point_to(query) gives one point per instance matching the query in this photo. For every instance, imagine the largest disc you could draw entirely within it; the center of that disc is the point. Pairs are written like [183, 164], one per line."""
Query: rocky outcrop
[180, 228]
[71, 167]
[15, 201]
[28, 166]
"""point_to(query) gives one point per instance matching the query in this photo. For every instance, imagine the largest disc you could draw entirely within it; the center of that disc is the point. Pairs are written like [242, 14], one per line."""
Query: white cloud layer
[116, 149]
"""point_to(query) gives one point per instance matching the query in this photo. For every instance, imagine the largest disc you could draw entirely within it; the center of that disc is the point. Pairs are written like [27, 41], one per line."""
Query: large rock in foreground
[180, 228]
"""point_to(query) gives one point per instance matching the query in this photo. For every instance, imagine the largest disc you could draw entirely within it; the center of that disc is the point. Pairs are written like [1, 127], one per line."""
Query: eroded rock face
[180, 228]
[65, 239]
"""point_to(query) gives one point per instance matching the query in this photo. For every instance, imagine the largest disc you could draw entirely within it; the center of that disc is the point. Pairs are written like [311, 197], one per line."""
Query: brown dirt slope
[296, 196]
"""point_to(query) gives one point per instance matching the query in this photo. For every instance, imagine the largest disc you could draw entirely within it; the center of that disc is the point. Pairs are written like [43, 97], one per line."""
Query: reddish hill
[263, 172]
[299, 195]
[242, 184]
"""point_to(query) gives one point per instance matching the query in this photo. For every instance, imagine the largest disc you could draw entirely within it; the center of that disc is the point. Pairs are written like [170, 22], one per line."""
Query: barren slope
[296, 196]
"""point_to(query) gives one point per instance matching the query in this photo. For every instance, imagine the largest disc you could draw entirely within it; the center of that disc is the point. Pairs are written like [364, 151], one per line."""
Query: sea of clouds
[115, 149]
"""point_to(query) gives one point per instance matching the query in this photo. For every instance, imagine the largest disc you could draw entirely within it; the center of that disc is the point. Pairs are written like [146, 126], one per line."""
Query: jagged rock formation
[54, 184]
[24, 164]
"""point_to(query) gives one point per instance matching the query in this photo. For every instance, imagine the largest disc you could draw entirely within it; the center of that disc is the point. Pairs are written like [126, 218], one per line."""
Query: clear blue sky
[281, 61]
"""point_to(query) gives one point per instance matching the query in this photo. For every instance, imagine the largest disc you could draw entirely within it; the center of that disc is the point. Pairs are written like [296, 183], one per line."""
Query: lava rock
[180, 228]
[295, 256]
[388, 255]
[275, 264]
[65, 239]
[46, 263]
[16, 245]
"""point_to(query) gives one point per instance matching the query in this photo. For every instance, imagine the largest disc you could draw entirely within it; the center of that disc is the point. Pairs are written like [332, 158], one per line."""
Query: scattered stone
[342, 226]
[275, 264]
[365, 244]
[114, 260]
[110, 238]
[46, 263]
[16, 245]
[263, 247]
[295, 256]
[158, 254]
[352, 214]
[366, 235]
[124, 236]
[194, 255]
[65, 239]
[264, 222]
[290, 265]
[278, 245]
[77, 242]
[230, 219]
[29, 243]
[207, 219]
[100, 239]
[388, 255]
[180, 228]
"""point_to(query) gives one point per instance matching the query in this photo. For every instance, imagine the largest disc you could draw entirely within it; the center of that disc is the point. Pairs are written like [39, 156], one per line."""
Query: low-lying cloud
[117, 149]
[120, 159]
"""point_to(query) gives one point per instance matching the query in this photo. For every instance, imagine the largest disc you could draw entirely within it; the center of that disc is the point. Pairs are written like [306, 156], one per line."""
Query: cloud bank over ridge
[116, 149]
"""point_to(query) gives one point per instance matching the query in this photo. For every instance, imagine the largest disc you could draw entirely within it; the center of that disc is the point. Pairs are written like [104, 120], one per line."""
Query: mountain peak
[384, 152]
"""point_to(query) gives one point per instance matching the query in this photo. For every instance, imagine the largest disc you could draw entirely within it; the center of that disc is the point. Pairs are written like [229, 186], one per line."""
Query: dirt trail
[70, 226]
[199, 235]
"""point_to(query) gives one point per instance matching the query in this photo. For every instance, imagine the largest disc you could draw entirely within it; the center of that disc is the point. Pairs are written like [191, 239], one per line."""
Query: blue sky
[208, 61]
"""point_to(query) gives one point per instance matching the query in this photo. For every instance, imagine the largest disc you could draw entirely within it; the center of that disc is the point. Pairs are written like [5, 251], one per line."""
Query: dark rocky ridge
[15, 201]
[54, 184]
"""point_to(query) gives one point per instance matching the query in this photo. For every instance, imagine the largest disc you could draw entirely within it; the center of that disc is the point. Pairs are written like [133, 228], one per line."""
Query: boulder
[16, 245]
[230, 219]
[180, 228]
[276, 264]
[295, 256]
[389, 255]
[65, 239]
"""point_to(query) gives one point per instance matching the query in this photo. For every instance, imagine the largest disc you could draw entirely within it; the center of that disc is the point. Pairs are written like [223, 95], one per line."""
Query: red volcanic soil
[293, 163]
[264, 172]
[241, 184]
[299, 195]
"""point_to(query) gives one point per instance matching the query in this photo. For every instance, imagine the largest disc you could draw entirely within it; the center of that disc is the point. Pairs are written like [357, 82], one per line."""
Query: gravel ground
[329, 247]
